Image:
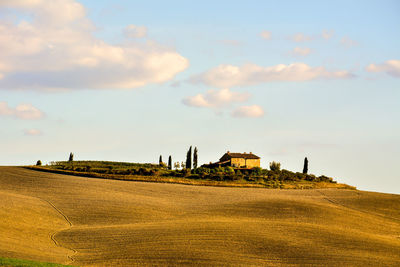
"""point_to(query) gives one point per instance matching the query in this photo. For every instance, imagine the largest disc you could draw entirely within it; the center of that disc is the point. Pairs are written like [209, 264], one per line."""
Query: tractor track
[52, 236]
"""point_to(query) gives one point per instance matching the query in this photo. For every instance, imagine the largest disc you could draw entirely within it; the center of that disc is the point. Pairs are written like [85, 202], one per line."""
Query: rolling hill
[88, 221]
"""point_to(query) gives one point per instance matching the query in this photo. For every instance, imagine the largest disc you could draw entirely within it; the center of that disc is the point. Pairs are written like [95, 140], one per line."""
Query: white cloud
[22, 111]
[57, 49]
[216, 98]
[390, 67]
[265, 35]
[301, 51]
[32, 132]
[133, 31]
[327, 34]
[347, 42]
[253, 111]
[301, 37]
[228, 76]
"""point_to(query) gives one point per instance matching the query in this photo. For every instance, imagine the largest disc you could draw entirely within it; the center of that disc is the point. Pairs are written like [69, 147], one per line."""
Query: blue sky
[130, 80]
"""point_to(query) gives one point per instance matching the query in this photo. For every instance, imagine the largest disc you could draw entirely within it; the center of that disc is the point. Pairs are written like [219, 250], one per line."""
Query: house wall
[241, 162]
[238, 162]
[251, 163]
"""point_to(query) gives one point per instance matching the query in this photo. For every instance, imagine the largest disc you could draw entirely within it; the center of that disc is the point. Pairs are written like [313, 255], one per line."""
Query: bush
[194, 176]
[324, 178]
[186, 172]
[229, 170]
[39, 163]
[274, 166]
[257, 170]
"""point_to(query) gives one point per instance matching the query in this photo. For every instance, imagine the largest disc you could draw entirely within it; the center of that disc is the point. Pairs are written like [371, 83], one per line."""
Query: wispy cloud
[216, 98]
[327, 34]
[266, 35]
[228, 76]
[347, 42]
[32, 132]
[390, 67]
[57, 49]
[301, 37]
[133, 31]
[22, 111]
[301, 51]
[253, 111]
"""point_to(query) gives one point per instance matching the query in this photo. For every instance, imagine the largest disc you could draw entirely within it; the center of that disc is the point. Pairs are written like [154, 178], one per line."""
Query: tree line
[190, 161]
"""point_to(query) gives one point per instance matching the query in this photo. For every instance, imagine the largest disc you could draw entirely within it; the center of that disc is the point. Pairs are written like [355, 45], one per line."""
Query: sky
[132, 80]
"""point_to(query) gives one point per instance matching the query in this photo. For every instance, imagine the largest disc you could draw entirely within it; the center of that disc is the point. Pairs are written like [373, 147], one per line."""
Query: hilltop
[220, 176]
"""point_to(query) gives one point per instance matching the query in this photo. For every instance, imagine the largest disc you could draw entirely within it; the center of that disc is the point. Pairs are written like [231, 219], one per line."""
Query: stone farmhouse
[236, 160]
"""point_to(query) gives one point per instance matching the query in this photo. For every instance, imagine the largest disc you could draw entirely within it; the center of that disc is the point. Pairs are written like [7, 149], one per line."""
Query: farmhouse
[236, 160]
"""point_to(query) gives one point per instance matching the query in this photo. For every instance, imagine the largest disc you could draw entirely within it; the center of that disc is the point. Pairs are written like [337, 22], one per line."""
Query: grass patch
[27, 263]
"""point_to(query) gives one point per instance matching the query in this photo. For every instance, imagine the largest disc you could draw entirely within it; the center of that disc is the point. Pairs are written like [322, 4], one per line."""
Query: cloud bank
[22, 111]
[56, 49]
[228, 76]
[390, 67]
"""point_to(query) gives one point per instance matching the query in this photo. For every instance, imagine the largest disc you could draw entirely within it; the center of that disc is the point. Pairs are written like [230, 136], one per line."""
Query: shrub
[39, 163]
[257, 170]
[324, 178]
[186, 172]
[229, 170]
[194, 176]
[274, 166]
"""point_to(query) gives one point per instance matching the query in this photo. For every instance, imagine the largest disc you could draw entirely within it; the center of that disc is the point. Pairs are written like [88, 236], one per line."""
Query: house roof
[240, 155]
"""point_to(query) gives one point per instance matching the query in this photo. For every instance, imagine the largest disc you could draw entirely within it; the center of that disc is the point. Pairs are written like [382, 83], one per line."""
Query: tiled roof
[241, 155]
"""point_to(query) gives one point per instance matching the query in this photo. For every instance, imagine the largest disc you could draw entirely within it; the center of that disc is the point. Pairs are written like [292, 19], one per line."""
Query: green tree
[160, 161]
[177, 165]
[71, 157]
[305, 168]
[38, 163]
[170, 163]
[274, 166]
[195, 158]
[188, 164]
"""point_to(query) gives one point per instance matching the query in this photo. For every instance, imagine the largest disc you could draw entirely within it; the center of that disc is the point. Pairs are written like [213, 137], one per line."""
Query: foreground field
[86, 221]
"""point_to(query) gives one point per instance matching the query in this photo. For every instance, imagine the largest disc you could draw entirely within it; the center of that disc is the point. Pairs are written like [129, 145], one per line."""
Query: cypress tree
[160, 160]
[188, 164]
[170, 163]
[195, 158]
[305, 168]
[71, 157]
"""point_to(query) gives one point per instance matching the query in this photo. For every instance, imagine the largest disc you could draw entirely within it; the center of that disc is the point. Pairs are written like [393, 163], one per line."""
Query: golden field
[88, 221]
